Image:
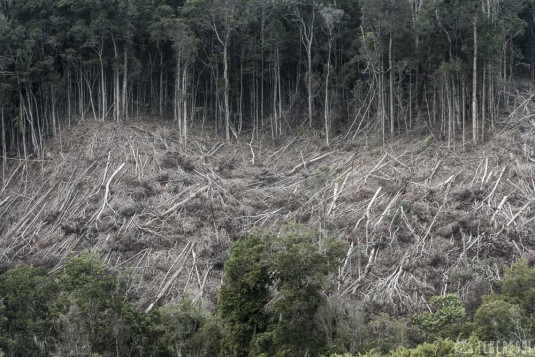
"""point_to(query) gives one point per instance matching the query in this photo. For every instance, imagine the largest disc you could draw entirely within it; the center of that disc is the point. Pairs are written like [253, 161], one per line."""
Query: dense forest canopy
[340, 66]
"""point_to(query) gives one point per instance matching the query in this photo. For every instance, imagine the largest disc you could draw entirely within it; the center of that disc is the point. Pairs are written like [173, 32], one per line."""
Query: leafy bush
[510, 314]
[499, 320]
[186, 329]
[448, 320]
[243, 295]
[27, 312]
[518, 286]
[294, 267]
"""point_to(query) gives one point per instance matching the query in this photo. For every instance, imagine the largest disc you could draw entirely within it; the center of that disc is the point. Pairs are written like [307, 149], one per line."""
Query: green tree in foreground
[272, 291]
[447, 320]
[26, 315]
[510, 314]
[92, 307]
[244, 295]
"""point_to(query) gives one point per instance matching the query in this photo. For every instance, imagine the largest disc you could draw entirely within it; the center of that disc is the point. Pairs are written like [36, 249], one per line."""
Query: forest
[263, 67]
[267, 178]
[81, 311]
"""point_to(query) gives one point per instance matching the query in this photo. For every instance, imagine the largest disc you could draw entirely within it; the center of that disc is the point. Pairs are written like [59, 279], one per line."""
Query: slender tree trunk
[91, 97]
[184, 103]
[474, 84]
[125, 83]
[116, 96]
[102, 89]
[274, 116]
[262, 29]
[4, 143]
[307, 38]
[449, 104]
[463, 95]
[160, 99]
[309, 83]
[240, 103]
[391, 84]
[226, 93]
[177, 112]
[279, 88]
[326, 109]
[69, 85]
[22, 124]
[483, 102]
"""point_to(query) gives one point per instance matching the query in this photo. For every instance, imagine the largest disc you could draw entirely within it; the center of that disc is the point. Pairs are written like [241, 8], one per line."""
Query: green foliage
[243, 295]
[301, 265]
[498, 320]
[94, 315]
[387, 333]
[344, 325]
[77, 312]
[188, 330]
[510, 314]
[295, 265]
[439, 348]
[442, 348]
[275, 301]
[518, 285]
[27, 312]
[447, 320]
[50, 48]
[91, 302]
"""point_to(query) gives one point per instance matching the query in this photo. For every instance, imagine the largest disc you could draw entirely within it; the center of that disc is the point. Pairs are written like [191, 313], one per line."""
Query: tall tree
[305, 13]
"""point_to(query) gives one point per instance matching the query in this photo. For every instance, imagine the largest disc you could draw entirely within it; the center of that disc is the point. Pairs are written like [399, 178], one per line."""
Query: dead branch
[106, 194]
[310, 161]
[184, 201]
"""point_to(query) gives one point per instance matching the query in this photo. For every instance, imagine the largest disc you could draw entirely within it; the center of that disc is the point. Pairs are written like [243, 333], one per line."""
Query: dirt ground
[420, 219]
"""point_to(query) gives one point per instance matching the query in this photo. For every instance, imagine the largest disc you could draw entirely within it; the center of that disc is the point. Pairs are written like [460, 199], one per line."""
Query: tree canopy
[381, 67]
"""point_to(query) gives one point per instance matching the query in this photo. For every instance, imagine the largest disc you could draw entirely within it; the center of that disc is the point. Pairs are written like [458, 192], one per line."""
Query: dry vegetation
[420, 219]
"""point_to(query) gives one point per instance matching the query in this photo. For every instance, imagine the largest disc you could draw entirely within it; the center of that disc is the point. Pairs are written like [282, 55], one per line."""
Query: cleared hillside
[420, 219]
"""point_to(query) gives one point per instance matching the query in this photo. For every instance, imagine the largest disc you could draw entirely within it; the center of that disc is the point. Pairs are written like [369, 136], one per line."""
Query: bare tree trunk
[483, 102]
[463, 95]
[184, 104]
[177, 112]
[116, 93]
[226, 93]
[474, 85]
[160, 99]
[307, 38]
[240, 103]
[279, 82]
[262, 73]
[102, 90]
[326, 113]
[274, 116]
[90, 97]
[69, 85]
[81, 97]
[4, 143]
[309, 85]
[391, 64]
[125, 82]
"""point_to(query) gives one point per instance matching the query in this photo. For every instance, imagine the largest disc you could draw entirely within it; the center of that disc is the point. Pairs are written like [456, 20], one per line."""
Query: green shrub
[447, 320]
[439, 348]
[295, 266]
[499, 320]
[518, 286]
[188, 330]
[243, 295]
[27, 312]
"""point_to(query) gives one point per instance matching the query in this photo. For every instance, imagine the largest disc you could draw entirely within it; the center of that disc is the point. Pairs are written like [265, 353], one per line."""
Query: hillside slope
[420, 219]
